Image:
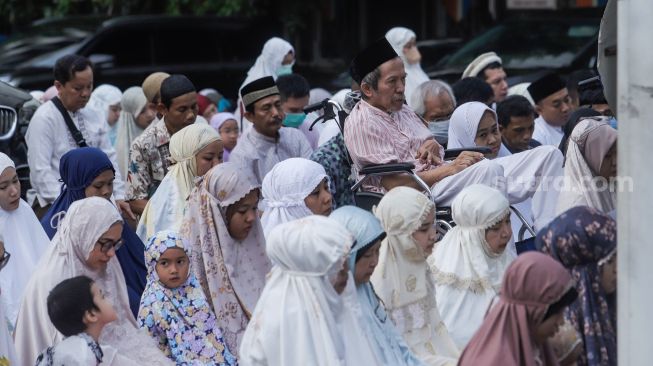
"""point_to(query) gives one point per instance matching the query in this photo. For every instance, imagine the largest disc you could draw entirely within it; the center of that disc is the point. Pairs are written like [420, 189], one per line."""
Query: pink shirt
[373, 136]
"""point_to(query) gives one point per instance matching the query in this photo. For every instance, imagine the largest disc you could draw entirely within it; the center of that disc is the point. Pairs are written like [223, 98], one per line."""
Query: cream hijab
[589, 142]
[231, 272]
[467, 274]
[402, 278]
[25, 239]
[300, 319]
[133, 101]
[85, 222]
[284, 189]
[165, 210]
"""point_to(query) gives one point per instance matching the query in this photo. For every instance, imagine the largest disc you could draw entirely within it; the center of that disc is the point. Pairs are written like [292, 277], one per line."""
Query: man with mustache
[382, 129]
[267, 142]
[48, 137]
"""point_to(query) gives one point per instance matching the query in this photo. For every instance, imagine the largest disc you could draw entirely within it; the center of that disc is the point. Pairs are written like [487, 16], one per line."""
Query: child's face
[426, 234]
[105, 313]
[172, 267]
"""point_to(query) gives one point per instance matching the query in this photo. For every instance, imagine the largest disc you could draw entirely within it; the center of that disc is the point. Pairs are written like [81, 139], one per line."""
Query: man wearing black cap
[381, 129]
[553, 104]
[150, 154]
[267, 142]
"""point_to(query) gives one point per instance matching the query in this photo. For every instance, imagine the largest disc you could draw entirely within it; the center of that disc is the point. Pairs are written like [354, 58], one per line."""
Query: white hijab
[85, 222]
[7, 349]
[300, 319]
[464, 122]
[590, 139]
[133, 101]
[102, 97]
[402, 279]
[467, 274]
[398, 37]
[284, 189]
[270, 59]
[165, 210]
[25, 239]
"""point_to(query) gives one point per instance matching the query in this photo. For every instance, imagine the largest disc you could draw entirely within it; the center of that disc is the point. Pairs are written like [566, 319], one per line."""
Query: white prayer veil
[26, 240]
[102, 97]
[398, 37]
[284, 189]
[274, 50]
[467, 273]
[300, 319]
[463, 124]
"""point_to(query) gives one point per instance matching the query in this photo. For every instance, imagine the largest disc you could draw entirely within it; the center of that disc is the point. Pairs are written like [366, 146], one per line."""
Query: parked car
[212, 51]
[16, 109]
[527, 46]
[43, 36]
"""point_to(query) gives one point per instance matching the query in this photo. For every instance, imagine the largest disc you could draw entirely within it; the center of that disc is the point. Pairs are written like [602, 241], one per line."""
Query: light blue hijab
[388, 344]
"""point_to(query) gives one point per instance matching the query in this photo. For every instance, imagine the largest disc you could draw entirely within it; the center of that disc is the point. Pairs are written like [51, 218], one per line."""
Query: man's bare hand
[429, 152]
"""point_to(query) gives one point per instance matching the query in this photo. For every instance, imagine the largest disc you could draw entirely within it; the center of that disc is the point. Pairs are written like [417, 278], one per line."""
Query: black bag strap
[79, 138]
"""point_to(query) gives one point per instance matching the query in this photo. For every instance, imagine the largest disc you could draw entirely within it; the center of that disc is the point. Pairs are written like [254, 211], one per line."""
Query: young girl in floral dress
[174, 309]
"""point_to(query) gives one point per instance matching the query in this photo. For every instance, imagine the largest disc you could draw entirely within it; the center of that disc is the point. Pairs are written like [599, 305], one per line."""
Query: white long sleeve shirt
[547, 134]
[48, 139]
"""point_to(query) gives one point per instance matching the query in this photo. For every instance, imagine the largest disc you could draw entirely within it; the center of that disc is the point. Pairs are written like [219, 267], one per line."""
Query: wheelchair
[368, 200]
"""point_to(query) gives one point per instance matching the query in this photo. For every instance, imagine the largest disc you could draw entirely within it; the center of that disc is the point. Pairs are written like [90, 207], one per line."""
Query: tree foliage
[19, 13]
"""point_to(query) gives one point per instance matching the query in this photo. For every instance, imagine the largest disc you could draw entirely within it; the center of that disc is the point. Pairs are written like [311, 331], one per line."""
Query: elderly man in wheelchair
[389, 145]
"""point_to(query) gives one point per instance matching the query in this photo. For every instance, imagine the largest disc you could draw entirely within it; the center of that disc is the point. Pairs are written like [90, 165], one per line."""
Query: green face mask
[294, 119]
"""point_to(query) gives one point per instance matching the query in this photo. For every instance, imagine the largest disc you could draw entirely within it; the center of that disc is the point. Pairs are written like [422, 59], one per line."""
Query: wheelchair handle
[450, 154]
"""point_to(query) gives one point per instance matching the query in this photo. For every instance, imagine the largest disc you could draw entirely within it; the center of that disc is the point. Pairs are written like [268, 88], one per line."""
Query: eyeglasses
[5, 259]
[106, 246]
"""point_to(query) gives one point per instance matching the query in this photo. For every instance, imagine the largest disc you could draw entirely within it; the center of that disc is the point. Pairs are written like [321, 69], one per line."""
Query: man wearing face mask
[434, 102]
[294, 91]
[402, 41]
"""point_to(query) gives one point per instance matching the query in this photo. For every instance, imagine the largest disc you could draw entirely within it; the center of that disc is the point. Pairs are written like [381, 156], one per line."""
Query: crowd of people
[166, 225]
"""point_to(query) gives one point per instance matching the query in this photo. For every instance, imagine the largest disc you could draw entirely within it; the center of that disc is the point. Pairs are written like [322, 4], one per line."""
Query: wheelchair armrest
[387, 168]
[450, 154]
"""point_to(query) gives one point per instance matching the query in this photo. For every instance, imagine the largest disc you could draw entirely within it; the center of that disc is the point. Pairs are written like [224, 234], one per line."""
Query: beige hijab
[589, 142]
[231, 273]
[165, 210]
[403, 281]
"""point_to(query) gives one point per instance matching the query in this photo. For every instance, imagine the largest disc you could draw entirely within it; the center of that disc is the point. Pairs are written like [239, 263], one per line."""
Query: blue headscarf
[78, 168]
[388, 343]
[579, 238]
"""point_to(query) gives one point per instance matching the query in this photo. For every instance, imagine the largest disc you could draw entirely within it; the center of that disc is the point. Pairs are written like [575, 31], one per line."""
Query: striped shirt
[373, 136]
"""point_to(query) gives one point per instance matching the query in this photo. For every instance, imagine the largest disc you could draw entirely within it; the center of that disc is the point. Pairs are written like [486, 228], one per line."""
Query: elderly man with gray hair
[434, 101]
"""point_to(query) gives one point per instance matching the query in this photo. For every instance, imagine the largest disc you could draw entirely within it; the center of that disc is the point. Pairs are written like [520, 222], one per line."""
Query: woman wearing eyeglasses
[85, 244]
[23, 236]
[88, 172]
